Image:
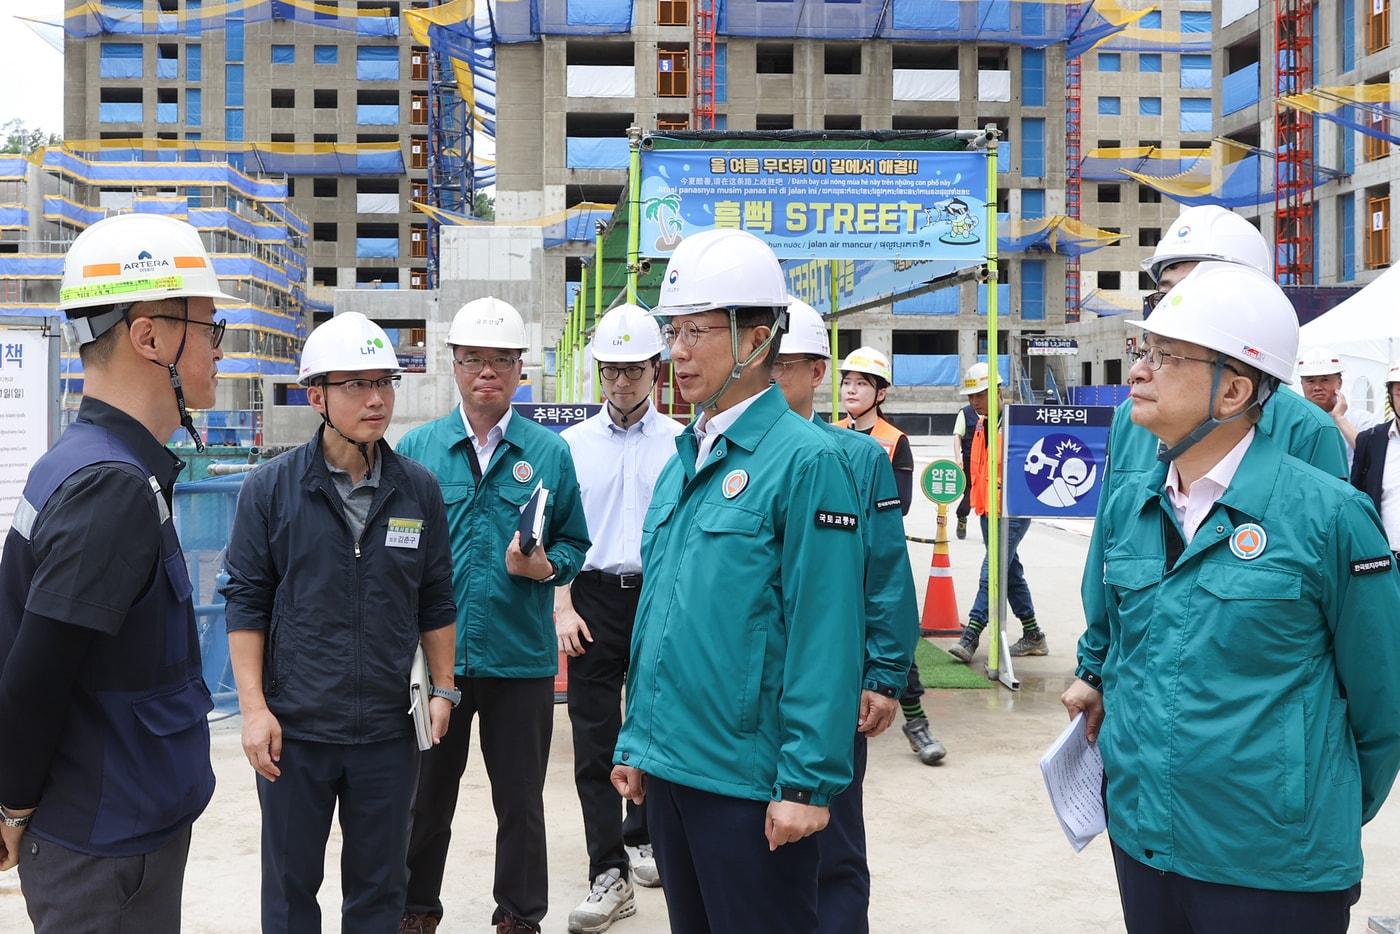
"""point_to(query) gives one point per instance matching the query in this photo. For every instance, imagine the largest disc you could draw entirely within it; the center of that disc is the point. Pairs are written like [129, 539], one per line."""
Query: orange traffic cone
[940, 618]
[561, 680]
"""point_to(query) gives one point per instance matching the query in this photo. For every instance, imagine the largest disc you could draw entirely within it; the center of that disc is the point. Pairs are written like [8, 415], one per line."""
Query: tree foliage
[19, 138]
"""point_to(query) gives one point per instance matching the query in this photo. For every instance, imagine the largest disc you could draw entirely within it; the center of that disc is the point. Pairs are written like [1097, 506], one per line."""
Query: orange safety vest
[883, 432]
[977, 469]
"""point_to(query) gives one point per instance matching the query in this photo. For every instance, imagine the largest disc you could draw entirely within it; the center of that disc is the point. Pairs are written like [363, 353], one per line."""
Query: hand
[262, 742]
[439, 715]
[9, 841]
[1079, 697]
[876, 713]
[789, 822]
[534, 566]
[1339, 408]
[568, 626]
[630, 783]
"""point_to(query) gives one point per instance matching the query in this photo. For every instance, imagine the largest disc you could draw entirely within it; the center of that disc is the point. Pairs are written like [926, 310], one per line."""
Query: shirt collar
[1394, 431]
[1221, 475]
[371, 479]
[158, 459]
[766, 408]
[646, 424]
[497, 430]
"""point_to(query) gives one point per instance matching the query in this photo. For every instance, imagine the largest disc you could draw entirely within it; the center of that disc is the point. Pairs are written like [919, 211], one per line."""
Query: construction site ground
[967, 846]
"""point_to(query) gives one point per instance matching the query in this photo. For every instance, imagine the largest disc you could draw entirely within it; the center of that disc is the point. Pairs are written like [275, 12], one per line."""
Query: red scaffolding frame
[1293, 144]
[703, 90]
[1074, 177]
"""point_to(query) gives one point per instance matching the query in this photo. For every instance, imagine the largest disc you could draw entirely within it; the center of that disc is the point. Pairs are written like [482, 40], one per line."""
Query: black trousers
[517, 718]
[716, 869]
[373, 783]
[913, 686]
[1166, 903]
[66, 891]
[595, 715]
[843, 896]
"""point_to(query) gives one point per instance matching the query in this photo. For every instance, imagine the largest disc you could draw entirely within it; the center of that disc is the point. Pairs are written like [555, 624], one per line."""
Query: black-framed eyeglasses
[216, 328]
[1154, 357]
[362, 387]
[633, 371]
[1151, 300]
[474, 365]
[689, 332]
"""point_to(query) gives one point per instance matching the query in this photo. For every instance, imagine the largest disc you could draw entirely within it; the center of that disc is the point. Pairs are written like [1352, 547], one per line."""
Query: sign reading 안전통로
[943, 482]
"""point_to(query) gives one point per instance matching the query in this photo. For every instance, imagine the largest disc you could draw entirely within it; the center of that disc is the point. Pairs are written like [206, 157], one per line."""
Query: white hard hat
[975, 380]
[1234, 310]
[806, 331]
[868, 360]
[1318, 361]
[348, 342]
[487, 322]
[1393, 376]
[626, 334]
[1209, 232]
[134, 258]
[722, 268]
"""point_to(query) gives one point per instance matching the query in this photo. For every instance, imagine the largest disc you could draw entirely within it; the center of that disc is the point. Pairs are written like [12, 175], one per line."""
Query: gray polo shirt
[358, 497]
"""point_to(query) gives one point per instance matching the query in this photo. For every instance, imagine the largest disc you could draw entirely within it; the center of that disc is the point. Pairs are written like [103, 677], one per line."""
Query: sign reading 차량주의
[821, 204]
[1055, 459]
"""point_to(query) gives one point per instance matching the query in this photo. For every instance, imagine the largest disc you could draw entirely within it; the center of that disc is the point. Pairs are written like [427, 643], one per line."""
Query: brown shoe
[513, 925]
[418, 924]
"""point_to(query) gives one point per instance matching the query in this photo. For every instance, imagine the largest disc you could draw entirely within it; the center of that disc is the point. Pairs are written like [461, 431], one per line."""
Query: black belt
[620, 581]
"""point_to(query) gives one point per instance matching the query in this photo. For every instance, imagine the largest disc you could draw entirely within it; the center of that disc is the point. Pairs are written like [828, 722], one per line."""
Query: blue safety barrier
[203, 517]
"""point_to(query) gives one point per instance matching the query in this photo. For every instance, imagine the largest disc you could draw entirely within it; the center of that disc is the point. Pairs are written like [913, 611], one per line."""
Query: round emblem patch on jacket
[522, 471]
[1248, 541]
[734, 483]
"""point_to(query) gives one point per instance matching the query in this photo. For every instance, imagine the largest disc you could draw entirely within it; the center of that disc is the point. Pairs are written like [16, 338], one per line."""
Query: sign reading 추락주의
[1055, 457]
[820, 204]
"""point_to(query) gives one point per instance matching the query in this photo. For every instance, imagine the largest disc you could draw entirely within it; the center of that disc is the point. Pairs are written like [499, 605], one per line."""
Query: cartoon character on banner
[959, 217]
[1060, 470]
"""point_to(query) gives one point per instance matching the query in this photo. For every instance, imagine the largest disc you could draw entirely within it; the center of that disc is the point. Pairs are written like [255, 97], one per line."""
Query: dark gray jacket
[342, 617]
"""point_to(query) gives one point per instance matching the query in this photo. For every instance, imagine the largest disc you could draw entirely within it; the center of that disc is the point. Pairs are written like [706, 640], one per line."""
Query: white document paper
[1073, 771]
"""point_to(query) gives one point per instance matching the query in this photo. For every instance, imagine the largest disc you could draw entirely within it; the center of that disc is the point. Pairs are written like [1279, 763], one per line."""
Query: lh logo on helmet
[522, 471]
[372, 344]
[1248, 541]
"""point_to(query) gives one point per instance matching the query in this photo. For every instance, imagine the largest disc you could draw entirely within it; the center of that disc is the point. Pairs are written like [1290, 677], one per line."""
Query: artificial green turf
[938, 669]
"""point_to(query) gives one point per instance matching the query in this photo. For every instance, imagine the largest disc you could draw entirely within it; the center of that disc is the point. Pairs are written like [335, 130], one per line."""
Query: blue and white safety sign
[1055, 458]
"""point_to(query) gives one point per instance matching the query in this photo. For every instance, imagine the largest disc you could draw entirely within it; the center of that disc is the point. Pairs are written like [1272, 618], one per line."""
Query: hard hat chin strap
[361, 446]
[779, 323]
[1168, 454]
[623, 416]
[186, 420]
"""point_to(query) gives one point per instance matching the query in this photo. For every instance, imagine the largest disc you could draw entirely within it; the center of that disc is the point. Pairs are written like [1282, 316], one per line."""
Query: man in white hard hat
[1250, 717]
[338, 569]
[1200, 234]
[618, 455]
[1375, 470]
[1320, 371]
[489, 463]
[975, 387]
[891, 617]
[102, 700]
[746, 662]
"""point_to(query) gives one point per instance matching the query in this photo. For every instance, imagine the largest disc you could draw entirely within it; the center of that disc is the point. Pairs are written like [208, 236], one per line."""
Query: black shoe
[962, 527]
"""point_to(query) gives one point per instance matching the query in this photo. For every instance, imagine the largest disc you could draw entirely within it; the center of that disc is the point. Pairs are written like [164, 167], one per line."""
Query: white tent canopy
[1364, 331]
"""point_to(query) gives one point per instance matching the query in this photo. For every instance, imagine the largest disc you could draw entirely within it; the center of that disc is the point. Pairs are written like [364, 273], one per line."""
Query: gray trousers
[67, 892]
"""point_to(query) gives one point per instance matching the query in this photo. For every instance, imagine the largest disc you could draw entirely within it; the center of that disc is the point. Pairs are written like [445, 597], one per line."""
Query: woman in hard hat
[865, 381]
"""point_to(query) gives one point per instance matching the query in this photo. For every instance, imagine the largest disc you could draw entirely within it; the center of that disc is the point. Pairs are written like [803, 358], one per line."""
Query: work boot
[962, 527]
[610, 900]
[967, 646]
[513, 925]
[1030, 643]
[929, 750]
[644, 871]
[417, 924]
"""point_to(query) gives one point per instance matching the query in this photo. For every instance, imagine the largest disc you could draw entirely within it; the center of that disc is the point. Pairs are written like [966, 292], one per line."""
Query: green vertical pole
[835, 373]
[576, 370]
[994, 523]
[597, 295]
[634, 209]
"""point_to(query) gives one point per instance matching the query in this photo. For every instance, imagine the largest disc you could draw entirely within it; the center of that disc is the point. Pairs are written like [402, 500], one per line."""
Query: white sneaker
[644, 871]
[610, 900]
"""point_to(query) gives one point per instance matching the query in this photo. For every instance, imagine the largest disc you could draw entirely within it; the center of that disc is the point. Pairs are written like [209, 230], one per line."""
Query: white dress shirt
[709, 427]
[1193, 506]
[1360, 419]
[1390, 488]
[617, 470]
[486, 448]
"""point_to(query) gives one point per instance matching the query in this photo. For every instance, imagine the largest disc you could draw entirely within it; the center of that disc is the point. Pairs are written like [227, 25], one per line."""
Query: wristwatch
[553, 573]
[452, 695]
[16, 822]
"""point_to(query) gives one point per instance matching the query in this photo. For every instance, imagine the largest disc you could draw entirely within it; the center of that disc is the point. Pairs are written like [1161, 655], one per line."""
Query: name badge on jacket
[404, 533]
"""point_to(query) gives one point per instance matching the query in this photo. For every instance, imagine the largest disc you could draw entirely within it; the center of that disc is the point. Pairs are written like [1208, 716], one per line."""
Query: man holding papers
[1250, 711]
[489, 463]
[339, 568]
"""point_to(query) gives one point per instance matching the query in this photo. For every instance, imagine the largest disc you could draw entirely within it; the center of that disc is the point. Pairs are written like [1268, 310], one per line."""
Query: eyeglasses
[216, 328]
[361, 387]
[1151, 301]
[632, 371]
[498, 363]
[1154, 356]
[780, 367]
[688, 332]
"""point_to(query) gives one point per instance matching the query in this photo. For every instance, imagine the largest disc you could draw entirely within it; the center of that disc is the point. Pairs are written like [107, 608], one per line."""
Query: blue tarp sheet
[377, 247]
[583, 152]
[925, 369]
[1195, 115]
[13, 215]
[377, 114]
[284, 54]
[120, 60]
[377, 63]
[616, 14]
[168, 68]
[167, 113]
[119, 112]
[1239, 89]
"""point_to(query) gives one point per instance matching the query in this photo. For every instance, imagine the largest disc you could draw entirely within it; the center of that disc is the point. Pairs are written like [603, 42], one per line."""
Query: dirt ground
[968, 846]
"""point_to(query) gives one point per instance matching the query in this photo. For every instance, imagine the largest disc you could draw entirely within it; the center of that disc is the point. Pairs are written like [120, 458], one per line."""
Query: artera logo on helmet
[144, 260]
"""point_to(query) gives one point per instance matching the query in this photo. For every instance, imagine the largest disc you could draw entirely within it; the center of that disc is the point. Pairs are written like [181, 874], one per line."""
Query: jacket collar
[159, 460]
[751, 427]
[315, 474]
